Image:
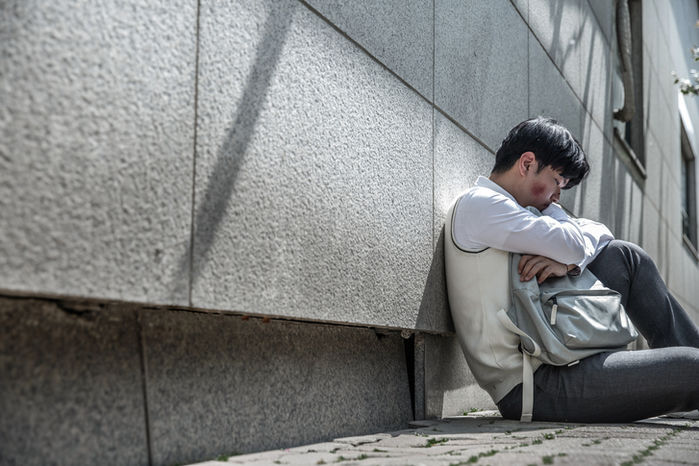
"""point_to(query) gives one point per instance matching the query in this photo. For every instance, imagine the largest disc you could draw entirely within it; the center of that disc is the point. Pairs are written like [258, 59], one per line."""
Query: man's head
[552, 145]
[537, 159]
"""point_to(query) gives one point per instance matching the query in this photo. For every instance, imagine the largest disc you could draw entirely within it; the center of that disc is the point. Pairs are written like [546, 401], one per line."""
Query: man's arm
[485, 218]
[541, 267]
[596, 234]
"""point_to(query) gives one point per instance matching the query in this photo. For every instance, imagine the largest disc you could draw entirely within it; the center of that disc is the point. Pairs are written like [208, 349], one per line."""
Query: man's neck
[504, 181]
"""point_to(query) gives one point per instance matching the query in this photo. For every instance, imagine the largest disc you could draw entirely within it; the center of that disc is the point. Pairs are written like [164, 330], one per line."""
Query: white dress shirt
[488, 216]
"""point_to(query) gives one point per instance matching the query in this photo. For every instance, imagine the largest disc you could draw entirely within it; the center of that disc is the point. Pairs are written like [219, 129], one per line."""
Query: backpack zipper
[554, 311]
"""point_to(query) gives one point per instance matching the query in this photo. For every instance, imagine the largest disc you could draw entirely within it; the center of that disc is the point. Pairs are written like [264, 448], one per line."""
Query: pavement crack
[641, 455]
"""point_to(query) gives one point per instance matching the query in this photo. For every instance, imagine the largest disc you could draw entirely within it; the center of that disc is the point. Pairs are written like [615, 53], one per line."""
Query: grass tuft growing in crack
[640, 456]
[475, 458]
[433, 441]
[358, 458]
[225, 457]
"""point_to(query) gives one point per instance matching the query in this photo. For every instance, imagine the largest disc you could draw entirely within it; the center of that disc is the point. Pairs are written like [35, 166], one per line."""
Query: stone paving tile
[323, 447]
[362, 440]
[489, 440]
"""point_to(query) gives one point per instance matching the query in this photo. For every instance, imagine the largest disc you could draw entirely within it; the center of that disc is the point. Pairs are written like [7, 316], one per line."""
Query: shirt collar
[485, 182]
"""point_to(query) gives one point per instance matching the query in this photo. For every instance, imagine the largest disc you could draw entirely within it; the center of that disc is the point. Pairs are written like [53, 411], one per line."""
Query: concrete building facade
[221, 220]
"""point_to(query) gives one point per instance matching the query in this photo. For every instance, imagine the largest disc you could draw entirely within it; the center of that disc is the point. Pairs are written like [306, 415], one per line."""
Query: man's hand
[540, 266]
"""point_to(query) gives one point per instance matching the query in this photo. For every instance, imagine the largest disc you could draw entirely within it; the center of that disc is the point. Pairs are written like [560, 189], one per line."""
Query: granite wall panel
[458, 161]
[557, 26]
[96, 148]
[220, 384]
[590, 198]
[605, 14]
[398, 33]
[596, 75]
[549, 93]
[481, 66]
[451, 389]
[70, 384]
[313, 172]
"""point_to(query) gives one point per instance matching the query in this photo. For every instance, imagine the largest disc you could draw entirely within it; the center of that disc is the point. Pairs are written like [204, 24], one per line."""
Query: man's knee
[630, 252]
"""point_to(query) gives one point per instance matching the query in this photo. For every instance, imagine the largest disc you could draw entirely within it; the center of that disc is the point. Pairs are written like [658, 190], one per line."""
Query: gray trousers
[626, 385]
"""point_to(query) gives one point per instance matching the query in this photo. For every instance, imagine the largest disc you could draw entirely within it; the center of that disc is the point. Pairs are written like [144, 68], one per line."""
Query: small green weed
[547, 459]
[475, 458]
[433, 441]
[225, 457]
[657, 443]
[358, 458]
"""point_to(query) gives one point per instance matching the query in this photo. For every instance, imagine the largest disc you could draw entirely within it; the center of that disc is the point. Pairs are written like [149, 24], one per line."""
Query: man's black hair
[551, 143]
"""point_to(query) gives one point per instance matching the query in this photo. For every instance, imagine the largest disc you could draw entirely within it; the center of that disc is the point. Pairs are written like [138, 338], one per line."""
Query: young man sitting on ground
[536, 160]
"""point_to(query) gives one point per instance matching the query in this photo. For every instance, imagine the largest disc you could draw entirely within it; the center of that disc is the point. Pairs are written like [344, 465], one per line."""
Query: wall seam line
[194, 159]
[434, 129]
[363, 49]
[144, 383]
[403, 81]
[463, 128]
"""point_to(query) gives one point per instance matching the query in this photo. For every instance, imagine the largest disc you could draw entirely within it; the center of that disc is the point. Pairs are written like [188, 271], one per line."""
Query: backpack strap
[527, 388]
[527, 371]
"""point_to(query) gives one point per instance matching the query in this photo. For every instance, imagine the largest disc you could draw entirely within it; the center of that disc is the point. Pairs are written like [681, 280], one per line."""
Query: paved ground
[485, 438]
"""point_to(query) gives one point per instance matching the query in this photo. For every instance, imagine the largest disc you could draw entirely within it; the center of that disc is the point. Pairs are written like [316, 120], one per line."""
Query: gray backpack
[562, 321]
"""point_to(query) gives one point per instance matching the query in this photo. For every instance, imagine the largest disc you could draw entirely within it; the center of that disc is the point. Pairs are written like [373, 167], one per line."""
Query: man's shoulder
[476, 208]
[478, 197]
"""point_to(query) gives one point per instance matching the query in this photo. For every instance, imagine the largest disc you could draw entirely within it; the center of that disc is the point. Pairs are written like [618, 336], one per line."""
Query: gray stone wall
[294, 160]
[89, 383]
[669, 32]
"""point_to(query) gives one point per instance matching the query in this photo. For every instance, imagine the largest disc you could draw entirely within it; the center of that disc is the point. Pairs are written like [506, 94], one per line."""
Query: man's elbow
[577, 257]
[578, 250]
[572, 250]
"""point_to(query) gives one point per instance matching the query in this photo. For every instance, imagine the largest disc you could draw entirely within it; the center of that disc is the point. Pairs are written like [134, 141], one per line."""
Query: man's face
[544, 187]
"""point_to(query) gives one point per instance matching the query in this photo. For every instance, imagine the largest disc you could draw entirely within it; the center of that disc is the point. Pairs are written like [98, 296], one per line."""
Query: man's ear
[526, 162]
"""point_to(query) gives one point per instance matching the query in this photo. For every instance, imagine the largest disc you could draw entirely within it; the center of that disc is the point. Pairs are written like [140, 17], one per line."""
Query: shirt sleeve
[485, 218]
[597, 235]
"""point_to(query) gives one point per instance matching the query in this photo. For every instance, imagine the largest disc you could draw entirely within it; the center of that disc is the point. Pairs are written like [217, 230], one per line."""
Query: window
[689, 193]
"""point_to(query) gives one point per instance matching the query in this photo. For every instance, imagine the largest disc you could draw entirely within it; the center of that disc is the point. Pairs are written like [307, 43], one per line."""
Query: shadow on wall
[450, 388]
[434, 307]
[556, 18]
[234, 146]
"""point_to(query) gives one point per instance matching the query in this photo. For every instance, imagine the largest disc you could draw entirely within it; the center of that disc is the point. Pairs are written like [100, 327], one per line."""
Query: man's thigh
[614, 387]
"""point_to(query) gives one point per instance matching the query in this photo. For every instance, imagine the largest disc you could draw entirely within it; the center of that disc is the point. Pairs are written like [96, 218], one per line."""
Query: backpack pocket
[593, 318]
